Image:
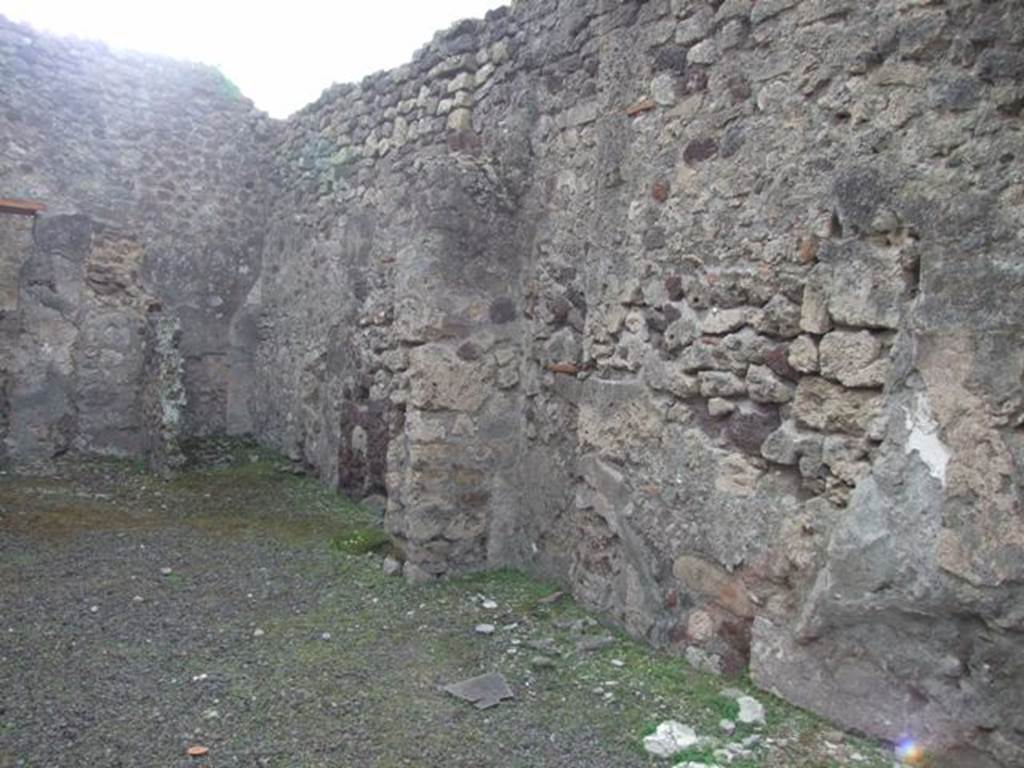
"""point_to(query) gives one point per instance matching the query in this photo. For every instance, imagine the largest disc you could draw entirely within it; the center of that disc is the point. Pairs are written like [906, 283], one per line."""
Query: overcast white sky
[281, 54]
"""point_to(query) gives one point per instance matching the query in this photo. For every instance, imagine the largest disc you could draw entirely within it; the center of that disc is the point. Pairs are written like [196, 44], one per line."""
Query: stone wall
[15, 242]
[163, 398]
[152, 171]
[709, 310]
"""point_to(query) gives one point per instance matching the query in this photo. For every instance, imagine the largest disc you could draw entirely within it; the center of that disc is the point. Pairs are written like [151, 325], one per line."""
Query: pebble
[542, 662]
[166, 571]
[325, 636]
[490, 605]
[484, 629]
[94, 609]
[727, 726]
[751, 711]
[258, 633]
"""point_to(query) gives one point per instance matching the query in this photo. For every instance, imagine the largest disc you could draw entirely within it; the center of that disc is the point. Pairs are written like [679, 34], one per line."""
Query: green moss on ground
[371, 653]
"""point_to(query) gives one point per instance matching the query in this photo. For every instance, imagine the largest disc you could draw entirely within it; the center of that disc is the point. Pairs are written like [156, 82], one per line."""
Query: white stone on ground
[751, 710]
[670, 738]
[484, 629]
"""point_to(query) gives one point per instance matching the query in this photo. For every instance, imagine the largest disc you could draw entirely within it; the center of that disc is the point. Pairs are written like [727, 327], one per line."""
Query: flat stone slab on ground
[484, 692]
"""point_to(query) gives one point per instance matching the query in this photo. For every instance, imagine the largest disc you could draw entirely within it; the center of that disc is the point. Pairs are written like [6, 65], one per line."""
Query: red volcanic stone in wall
[749, 429]
[568, 369]
[672, 599]
[699, 150]
[560, 309]
[674, 287]
[363, 469]
[735, 632]
[777, 358]
[469, 352]
[464, 141]
[809, 249]
[695, 80]
[660, 190]
[644, 105]
[739, 89]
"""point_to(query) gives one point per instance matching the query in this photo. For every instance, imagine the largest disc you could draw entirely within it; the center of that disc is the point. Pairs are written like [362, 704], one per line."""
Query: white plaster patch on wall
[923, 438]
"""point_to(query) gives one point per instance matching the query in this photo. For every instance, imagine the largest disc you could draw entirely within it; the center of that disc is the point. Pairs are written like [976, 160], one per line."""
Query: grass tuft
[361, 541]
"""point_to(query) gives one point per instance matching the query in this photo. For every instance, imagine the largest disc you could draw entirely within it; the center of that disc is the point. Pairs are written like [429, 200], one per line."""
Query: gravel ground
[237, 608]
